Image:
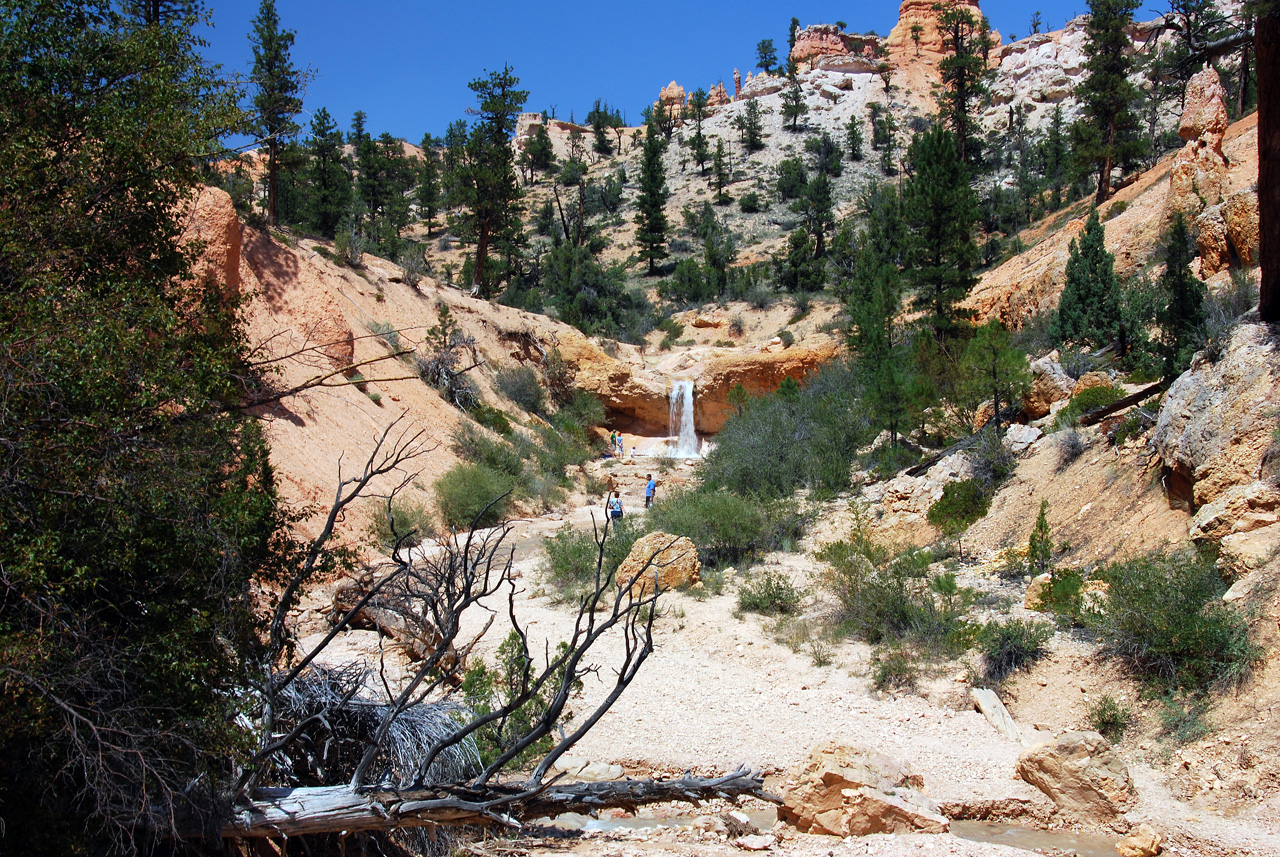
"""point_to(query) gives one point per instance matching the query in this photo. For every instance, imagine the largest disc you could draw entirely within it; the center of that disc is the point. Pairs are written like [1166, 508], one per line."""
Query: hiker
[613, 443]
[615, 506]
[650, 489]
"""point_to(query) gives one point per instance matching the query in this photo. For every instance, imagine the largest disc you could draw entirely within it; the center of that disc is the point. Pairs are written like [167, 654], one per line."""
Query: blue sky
[407, 65]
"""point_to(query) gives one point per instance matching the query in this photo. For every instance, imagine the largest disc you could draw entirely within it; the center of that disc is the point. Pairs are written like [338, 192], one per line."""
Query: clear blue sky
[407, 65]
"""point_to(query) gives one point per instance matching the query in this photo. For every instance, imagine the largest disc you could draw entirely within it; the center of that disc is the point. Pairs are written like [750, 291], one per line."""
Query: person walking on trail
[613, 443]
[650, 489]
[615, 507]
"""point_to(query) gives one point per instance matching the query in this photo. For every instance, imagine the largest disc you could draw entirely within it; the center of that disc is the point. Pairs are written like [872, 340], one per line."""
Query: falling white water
[684, 437]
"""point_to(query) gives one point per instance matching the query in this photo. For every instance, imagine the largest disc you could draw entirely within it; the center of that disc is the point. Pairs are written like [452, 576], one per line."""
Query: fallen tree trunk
[281, 812]
[1099, 414]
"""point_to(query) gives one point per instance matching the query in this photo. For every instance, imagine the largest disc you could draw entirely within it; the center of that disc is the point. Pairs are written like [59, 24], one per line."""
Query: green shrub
[477, 447]
[779, 443]
[1109, 717]
[520, 384]
[889, 597]
[492, 419]
[387, 334]
[1008, 647]
[750, 203]
[1183, 717]
[788, 338]
[1084, 402]
[1071, 445]
[1165, 617]
[887, 460]
[895, 669]
[472, 495]
[412, 521]
[961, 503]
[771, 593]
[727, 528]
[572, 555]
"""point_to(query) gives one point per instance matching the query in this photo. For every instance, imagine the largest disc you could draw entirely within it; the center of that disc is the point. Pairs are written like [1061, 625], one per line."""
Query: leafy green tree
[853, 132]
[170, 12]
[276, 100]
[793, 106]
[1106, 134]
[1089, 309]
[766, 56]
[699, 147]
[486, 177]
[328, 177]
[1182, 321]
[941, 210]
[964, 73]
[651, 201]
[992, 366]
[140, 522]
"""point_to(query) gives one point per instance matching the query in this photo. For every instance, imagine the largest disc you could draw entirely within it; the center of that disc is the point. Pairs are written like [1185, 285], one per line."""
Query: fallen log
[282, 812]
[1099, 414]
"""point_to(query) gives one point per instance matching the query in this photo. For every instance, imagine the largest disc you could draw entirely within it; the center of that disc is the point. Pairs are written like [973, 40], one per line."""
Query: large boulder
[1211, 241]
[1081, 774]
[1216, 423]
[850, 790]
[1049, 384]
[1240, 214]
[661, 558]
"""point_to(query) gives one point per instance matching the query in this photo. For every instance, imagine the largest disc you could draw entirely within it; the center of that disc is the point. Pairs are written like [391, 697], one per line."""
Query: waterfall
[684, 437]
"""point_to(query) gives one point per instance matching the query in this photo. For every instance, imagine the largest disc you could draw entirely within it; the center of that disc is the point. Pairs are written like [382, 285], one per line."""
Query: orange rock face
[924, 13]
[212, 222]
[757, 373]
[718, 96]
[818, 40]
[1199, 175]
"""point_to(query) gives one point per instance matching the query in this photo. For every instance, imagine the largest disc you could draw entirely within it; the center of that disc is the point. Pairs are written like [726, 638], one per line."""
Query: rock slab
[1081, 774]
[661, 558]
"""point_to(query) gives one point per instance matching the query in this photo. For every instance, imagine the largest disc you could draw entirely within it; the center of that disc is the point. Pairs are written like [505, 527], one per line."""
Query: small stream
[995, 833]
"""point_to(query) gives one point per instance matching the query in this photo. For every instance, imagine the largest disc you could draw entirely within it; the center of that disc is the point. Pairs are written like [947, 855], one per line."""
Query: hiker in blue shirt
[650, 489]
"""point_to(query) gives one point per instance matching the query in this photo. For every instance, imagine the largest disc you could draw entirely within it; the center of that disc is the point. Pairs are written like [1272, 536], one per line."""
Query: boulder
[1081, 774]
[1211, 241]
[1215, 422]
[1240, 215]
[1239, 509]
[1245, 552]
[584, 770]
[989, 704]
[1036, 589]
[850, 790]
[659, 557]
[1142, 841]
[1091, 381]
[1018, 438]
[1049, 383]
[1204, 116]
[762, 84]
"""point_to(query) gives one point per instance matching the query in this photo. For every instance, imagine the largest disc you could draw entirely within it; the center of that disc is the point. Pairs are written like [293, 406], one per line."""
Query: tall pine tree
[1107, 133]
[651, 202]
[1182, 321]
[964, 73]
[1089, 309]
[276, 100]
[941, 210]
[330, 182]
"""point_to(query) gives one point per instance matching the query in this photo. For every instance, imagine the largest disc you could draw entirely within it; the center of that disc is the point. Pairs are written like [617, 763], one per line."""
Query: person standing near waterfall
[650, 489]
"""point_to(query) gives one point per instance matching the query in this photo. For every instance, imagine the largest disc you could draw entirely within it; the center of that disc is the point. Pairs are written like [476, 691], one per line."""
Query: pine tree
[1106, 135]
[854, 137]
[487, 181]
[542, 155]
[793, 106]
[941, 210]
[1054, 157]
[1182, 321]
[1040, 544]
[330, 182]
[651, 201]
[964, 73]
[428, 192]
[1089, 309]
[720, 173]
[696, 110]
[874, 302]
[750, 126]
[815, 205]
[992, 366]
[766, 56]
[276, 100]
